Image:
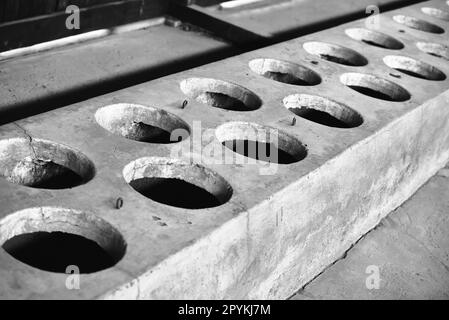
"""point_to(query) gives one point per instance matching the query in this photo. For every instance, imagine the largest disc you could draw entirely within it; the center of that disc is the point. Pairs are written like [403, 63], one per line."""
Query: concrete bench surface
[271, 19]
[39, 82]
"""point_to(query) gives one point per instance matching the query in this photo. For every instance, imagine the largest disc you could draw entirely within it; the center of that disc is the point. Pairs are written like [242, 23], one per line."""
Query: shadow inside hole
[55, 251]
[414, 68]
[320, 117]
[335, 53]
[434, 49]
[262, 151]
[44, 174]
[382, 45]
[412, 73]
[376, 44]
[423, 72]
[221, 100]
[147, 133]
[437, 55]
[284, 72]
[374, 38]
[175, 192]
[418, 24]
[286, 78]
[142, 123]
[337, 59]
[371, 92]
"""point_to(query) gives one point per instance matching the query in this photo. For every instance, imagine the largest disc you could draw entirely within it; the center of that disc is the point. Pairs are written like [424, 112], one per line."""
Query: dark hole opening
[45, 175]
[175, 192]
[385, 44]
[152, 134]
[372, 93]
[262, 151]
[339, 60]
[376, 44]
[436, 55]
[220, 100]
[320, 117]
[286, 78]
[55, 251]
[411, 73]
[432, 28]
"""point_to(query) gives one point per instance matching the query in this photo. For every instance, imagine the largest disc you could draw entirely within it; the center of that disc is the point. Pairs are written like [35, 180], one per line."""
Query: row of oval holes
[53, 251]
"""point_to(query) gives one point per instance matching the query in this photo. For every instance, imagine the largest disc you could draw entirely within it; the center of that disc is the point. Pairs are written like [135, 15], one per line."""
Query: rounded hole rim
[352, 118]
[196, 87]
[418, 24]
[318, 49]
[430, 48]
[348, 77]
[213, 183]
[141, 116]
[400, 63]
[50, 219]
[224, 133]
[297, 70]
[20, 150]
[436, 13]
[395, 44]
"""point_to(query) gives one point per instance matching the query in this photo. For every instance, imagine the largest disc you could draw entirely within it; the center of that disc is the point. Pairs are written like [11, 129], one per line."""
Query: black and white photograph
[224, 159]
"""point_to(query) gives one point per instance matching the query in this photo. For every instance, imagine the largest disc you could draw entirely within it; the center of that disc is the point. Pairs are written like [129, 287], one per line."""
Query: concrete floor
[410, 248]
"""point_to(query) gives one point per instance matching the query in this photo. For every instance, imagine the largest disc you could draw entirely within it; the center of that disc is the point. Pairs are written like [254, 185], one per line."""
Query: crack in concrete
[134, 171]
[29, 137]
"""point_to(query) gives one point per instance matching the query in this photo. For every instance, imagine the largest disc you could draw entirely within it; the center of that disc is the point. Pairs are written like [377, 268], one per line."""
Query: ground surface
[410, 248]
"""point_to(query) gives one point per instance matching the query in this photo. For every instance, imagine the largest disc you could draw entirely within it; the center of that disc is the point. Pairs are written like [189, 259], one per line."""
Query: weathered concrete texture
[66, 75]
[410, 247]
[277, 231]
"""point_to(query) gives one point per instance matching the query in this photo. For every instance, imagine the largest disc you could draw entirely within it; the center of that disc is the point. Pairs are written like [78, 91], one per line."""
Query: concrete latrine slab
[359, 122]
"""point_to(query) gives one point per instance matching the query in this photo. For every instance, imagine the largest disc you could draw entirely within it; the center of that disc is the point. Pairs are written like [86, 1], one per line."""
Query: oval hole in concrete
[177, 183]
[51, 239]
[286, 72]
[220, 94]
[374, 38]
[335, 53]
[418, 24]
[323, 111]
[414, 68]
[434, 49]
[43, 164]
[261, 143]
[142, 123]
[436, 13]
[375, 87]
